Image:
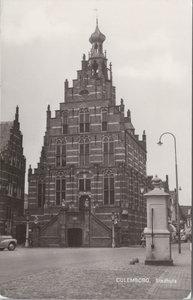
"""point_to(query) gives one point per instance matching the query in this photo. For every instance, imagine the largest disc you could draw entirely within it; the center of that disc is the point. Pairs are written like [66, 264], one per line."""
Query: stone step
[53, 245]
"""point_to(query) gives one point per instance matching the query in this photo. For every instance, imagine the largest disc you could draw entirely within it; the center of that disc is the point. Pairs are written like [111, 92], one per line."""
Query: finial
[128, 113]
[144, 136]
[156, 182]
[84, 57]
[96, 11]
[48, 109]
[29, 171]
[121, 101]
[17, 113]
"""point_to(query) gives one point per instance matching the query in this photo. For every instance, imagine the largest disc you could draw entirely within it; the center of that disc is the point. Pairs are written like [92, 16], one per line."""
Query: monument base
[159, 262]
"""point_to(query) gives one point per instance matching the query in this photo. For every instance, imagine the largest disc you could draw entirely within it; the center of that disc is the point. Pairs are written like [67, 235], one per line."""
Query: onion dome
[97, 36]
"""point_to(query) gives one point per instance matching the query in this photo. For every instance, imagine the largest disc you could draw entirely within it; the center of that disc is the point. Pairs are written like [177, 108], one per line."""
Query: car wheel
[11, 246]
[1, 249]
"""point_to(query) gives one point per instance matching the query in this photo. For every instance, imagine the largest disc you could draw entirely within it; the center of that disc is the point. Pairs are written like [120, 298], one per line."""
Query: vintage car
[7, 241]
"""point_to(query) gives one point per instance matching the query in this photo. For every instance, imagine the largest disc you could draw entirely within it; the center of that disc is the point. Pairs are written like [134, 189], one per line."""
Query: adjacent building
[12, 176]
[92, 171]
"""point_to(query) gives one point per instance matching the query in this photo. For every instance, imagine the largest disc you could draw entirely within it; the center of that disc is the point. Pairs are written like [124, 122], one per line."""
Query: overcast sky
[149, 45]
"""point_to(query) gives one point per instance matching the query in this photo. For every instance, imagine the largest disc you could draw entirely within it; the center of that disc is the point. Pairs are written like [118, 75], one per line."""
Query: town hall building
[87, 189]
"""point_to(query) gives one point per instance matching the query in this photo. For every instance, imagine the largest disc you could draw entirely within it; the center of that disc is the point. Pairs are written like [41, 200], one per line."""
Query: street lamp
[27, 230]
[177, 194]
[114, 222]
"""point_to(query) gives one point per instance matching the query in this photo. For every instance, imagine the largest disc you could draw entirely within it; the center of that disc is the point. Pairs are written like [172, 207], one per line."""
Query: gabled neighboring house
[12, 175]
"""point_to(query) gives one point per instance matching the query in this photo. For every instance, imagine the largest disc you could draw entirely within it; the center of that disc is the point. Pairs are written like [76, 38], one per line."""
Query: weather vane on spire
[96, 13]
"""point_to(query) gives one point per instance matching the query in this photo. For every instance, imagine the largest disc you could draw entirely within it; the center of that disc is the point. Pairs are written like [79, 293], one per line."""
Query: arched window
[84, 152]
[60, 190]
[60, 154]
[84, 121]
[108, 150]
[41, 194]
[109, 190]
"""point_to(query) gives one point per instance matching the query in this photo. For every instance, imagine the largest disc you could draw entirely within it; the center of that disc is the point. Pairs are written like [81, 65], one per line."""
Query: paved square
[95, 273]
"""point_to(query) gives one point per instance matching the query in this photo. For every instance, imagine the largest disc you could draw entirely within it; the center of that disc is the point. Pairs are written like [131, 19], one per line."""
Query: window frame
[60, 190]
[84, 121]
[41, 194]
[61, 157]
[109, 190]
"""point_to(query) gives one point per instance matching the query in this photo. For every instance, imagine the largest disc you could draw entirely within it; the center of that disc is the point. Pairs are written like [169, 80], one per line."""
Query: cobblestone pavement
[95, 273]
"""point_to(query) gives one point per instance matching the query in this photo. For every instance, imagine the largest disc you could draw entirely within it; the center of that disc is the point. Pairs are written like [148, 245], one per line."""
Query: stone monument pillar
[158, 247]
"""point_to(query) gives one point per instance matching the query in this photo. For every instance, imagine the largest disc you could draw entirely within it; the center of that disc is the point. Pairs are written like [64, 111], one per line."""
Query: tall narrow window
[84, 152]
[108, 150]
[8, 213]
[60, 190]
[104, 120]
[60, 154]
[111, 150]
[84, 121]
[65, 122]
[108, 190]
[84, 185]
[87, 123]
[41, 194]
[64, 155]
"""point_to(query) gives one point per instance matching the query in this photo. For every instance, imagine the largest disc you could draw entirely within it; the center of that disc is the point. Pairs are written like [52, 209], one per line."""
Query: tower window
[60, 190]
[109, 190]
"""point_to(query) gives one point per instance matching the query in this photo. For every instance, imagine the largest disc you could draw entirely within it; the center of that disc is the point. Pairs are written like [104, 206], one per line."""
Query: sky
[149, 45]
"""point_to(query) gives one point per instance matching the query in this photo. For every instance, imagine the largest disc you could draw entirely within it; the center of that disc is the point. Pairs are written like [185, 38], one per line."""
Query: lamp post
[27, 230]
[114, 222]
[142, 190]
[177, 190]
[87, 206]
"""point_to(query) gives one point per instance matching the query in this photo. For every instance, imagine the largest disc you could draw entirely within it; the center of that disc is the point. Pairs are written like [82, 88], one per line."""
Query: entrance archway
[74, 237]
[20, 233]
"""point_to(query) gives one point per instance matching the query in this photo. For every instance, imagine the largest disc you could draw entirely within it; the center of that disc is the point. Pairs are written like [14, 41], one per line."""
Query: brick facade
[12, 177]
[92, 164]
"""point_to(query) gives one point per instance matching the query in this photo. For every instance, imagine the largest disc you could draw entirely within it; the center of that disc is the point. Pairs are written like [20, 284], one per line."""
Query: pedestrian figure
[143, 242]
